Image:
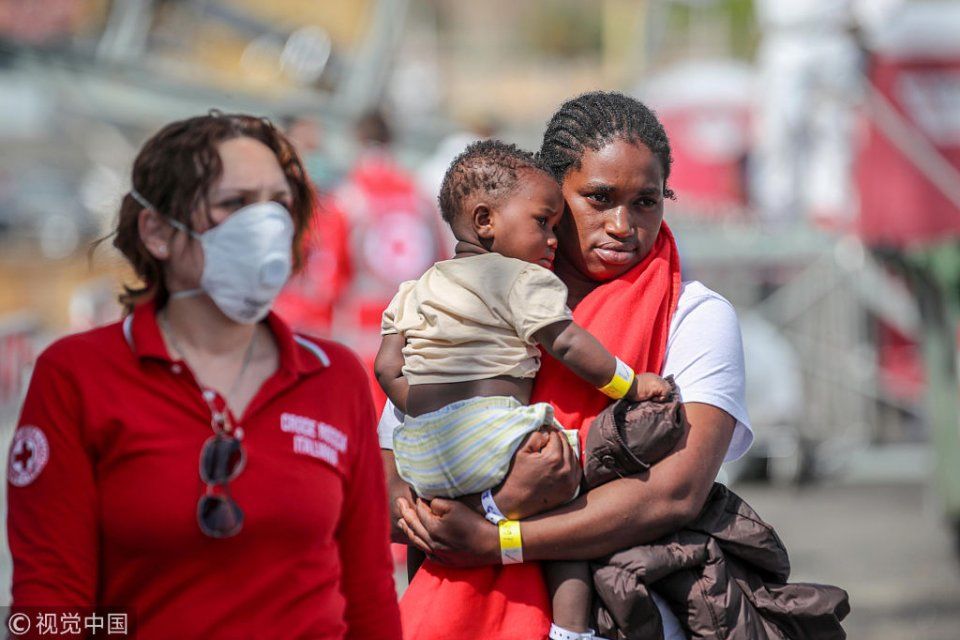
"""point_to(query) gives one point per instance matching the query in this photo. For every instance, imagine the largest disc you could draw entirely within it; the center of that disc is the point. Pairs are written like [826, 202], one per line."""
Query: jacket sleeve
[51, 519]
[364, 534]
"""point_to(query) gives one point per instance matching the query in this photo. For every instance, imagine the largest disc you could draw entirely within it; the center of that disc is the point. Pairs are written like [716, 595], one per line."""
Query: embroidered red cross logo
[28, 456]
[22, 458]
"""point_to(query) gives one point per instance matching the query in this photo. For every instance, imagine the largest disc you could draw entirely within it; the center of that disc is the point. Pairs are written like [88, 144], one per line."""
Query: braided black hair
[489, 167]
[594, 119]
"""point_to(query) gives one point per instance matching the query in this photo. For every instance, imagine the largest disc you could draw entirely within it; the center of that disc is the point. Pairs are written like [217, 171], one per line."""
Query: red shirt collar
[297, 354]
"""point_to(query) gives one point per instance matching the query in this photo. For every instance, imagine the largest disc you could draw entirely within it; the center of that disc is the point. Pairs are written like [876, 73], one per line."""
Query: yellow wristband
[622, 380]
[511, 544]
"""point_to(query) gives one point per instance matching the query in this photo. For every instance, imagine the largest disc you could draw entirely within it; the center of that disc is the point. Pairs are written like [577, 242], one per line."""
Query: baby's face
[523, 226]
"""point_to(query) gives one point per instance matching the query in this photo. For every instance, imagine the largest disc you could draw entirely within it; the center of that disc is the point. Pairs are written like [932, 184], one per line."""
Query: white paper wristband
[490, 510]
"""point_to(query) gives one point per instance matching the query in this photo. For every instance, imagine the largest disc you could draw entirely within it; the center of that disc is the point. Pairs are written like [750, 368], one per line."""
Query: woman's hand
[544, 475]
[449, 532]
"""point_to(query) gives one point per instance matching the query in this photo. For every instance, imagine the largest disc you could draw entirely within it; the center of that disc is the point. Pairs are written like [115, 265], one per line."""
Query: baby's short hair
[489, 167]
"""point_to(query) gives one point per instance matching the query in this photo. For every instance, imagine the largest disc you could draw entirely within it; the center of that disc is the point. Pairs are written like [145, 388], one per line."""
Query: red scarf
[631, 316]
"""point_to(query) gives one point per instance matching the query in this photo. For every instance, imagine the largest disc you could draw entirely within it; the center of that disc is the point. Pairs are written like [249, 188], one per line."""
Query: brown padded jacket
[724, 575]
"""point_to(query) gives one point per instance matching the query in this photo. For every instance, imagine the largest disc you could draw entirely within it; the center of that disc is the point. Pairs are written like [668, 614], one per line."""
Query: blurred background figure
[394, 235]
[810, 76]
[307, 135]
[308, 300]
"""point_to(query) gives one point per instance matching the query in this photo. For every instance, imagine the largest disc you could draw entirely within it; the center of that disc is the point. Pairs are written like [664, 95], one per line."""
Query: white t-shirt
[704, 355]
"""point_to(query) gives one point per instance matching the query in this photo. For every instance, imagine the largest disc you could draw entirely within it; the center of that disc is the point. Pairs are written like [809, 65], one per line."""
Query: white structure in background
[719, 89]
[775, 395]
[810, 79]
[705, 106]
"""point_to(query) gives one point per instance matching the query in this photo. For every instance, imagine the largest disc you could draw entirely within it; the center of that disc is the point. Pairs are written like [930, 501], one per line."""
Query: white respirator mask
[247, 259]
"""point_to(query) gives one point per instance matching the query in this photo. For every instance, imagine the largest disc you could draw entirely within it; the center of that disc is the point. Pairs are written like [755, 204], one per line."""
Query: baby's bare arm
[388, 368]
[578, 350]
[583, 354]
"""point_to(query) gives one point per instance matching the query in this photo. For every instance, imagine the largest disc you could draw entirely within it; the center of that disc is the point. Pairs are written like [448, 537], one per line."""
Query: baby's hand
[649, 386]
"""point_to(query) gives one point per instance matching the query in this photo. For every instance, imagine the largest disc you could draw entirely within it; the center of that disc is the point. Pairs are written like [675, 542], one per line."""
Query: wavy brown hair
[175, 171]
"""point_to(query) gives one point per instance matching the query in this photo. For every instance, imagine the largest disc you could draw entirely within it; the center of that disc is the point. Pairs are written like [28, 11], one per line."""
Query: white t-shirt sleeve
[390, 419]
[705, 357]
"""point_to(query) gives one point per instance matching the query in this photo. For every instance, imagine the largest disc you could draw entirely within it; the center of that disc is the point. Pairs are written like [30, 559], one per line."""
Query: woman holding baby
[621, 267]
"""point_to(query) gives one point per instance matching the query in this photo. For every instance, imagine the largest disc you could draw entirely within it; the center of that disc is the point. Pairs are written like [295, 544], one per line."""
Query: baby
[460, 349]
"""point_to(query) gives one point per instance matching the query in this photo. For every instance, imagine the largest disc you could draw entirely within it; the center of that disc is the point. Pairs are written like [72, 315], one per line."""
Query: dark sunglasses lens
[220, 459]
[219, 516]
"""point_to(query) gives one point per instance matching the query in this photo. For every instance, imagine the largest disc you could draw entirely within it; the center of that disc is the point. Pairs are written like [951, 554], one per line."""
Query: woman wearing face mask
[283, 532]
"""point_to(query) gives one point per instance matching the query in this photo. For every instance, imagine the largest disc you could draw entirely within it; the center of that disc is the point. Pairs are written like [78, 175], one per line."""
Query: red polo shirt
[103, 485]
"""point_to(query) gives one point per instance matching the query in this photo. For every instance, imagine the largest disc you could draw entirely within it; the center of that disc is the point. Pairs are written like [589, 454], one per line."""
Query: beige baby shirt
[474, 318]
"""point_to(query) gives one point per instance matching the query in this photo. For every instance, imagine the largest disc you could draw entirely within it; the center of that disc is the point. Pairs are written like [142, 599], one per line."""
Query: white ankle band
[559, 633]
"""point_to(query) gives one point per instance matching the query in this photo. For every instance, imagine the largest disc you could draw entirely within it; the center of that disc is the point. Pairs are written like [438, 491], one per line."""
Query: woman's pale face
[251, 174]
[615, 202]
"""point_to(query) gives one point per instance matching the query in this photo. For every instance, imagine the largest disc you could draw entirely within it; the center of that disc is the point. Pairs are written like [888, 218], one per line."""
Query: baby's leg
[571, 591]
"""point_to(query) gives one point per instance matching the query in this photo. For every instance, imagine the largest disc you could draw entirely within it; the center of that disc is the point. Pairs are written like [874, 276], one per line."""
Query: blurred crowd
[376, 224]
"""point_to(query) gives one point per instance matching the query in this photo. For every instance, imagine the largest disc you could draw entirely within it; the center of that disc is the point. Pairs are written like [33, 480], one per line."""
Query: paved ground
[885, 544]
